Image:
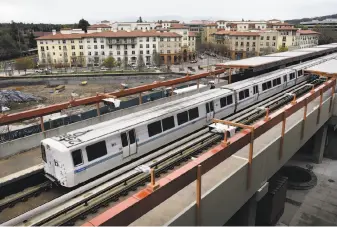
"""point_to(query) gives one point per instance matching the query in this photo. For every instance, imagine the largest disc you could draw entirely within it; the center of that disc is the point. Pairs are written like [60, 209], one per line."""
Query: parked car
[38, 71]
[193, 61]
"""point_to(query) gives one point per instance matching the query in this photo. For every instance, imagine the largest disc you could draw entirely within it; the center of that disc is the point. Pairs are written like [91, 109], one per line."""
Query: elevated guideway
[213, 187]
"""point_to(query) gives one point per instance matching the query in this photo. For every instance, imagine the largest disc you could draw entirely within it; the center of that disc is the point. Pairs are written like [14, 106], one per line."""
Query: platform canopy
[328, 68]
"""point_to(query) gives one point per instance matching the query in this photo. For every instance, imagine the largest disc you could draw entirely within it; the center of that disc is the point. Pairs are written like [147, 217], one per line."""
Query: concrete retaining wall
[220, 203]
[19, 145]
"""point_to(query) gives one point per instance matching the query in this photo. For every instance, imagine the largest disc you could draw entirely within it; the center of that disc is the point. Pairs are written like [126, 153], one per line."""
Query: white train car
[80, 155]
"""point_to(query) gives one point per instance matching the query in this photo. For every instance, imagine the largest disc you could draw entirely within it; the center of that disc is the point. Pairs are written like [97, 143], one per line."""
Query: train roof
[129, 121]
[258, 79]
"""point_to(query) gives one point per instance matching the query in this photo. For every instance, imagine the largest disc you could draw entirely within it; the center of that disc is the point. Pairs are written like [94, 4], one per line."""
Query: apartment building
[206, 35]
[131, 26]
[92, 48]
[268, 42]
[287, 37]
[307, 38]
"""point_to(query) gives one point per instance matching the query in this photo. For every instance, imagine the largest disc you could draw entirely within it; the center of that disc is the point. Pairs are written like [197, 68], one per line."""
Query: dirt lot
[51, 97]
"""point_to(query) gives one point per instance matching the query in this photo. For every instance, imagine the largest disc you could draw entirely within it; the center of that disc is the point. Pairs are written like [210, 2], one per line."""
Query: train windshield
[43, 153]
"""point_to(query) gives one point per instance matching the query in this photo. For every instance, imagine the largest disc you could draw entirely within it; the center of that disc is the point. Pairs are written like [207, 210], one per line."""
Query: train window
[300, 73]
[266, 85]
[154, 128]
[285, 78]
[96, 150]
[211, 106]
[229, 100]
[292, 76]
[77, 157]
[255, 89]
[132, 137]
[243, 94]
[276, 82]
[193, 113]
[182, 117]
[168, 123]
[223, 102]
[207, 108]
[43, 153]
[124, 138]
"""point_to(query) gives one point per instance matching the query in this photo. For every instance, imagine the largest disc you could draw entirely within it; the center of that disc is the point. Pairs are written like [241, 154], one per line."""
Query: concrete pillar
[246, 215]
[319, 144]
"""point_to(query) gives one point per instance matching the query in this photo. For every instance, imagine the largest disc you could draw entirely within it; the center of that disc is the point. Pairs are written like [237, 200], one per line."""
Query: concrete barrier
[223, 200]
[25, 143]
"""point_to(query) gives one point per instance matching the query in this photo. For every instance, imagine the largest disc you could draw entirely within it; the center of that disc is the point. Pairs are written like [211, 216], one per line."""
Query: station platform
[20, 165]
[223, 188]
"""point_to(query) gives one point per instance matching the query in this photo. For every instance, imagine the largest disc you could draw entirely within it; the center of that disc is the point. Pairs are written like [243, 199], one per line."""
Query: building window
[88, 41]
[102, 46]
[274, 37]
[95, 40]
[59, 47]
[126, 52]
[147, 39]
[81, 47]
[268, 37]
[141, 52]
[72, 41]
[96, 53]
[110, 46]
[103, 53]
[102, 40]
[147, 45]
[95, 46]
[133, 46]
[154, 39]
[133, 52]
[168, 51]
[81, 53]
[147, 52]
[262, 37]
[162, 39]
[73, 54]
[118, 53]
[80, 41]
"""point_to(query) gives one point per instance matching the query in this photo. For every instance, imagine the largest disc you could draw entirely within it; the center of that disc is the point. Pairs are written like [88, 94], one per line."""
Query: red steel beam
[142, 202]
[28, 114]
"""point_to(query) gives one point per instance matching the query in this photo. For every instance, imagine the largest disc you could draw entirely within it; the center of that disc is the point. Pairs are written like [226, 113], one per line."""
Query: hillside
[298, 21]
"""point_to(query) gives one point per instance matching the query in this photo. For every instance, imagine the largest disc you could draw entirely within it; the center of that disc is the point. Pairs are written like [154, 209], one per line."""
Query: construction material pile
[8, 97]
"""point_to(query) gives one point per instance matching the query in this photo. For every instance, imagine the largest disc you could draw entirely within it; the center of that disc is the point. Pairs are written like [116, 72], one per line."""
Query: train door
[129, 143]
[47, 156]
[209, 111]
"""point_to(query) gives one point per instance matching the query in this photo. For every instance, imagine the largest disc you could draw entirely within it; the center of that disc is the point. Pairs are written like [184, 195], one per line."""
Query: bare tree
[140, 62]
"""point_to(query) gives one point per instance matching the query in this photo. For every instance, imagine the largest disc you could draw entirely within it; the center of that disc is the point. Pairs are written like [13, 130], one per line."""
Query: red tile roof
[178, 26]
[222, 32]
[212, 24]
[287, 29]
[111, 34]
[307, 32]
[193, 34]
[95, 26]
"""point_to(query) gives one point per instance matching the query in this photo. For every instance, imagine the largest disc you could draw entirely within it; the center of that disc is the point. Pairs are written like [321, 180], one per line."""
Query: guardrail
[140, 203]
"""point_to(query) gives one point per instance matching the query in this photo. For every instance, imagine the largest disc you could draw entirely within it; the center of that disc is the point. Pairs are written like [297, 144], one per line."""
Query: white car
[38, 71]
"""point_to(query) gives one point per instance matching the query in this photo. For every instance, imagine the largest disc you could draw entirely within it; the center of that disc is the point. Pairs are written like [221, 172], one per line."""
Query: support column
[246, 215]
[319, 144]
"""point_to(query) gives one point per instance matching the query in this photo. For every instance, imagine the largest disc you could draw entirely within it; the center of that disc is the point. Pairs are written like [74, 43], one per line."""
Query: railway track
[101, 196]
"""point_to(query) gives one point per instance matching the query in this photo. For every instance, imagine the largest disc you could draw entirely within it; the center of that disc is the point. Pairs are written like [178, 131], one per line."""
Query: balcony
[121, 42]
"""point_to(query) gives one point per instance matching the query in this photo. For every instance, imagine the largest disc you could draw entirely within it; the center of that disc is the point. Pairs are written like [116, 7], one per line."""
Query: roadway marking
[246, 159]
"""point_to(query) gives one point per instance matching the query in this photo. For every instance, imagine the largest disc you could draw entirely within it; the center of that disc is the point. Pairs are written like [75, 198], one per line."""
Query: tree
[83, 24]
[31, 40]
[156, 59]
[266, 50]
[8, 47]
[140, 62]
[326, 35]
[140, 20]
[282, 49]
[109, 62]
[24, 64]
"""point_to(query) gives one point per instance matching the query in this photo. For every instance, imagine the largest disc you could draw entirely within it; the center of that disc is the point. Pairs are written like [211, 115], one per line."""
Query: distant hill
[298, 21]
